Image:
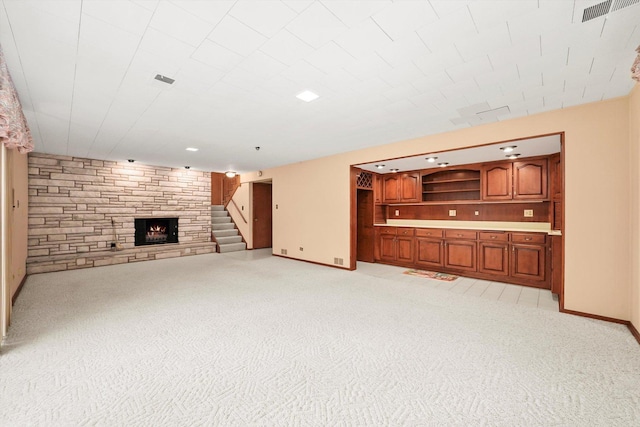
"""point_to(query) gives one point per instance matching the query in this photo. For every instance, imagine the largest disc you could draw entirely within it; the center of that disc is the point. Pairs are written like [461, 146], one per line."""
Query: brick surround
[72, 202]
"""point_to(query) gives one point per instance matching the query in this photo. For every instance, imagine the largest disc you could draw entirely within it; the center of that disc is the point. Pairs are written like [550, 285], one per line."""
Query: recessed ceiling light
[307, 96]
[431, 159]
[164, 79]
[512, 156]
[380, 166]
[192, 149]
[509, 148]
[443, 164]
[394, 170]
[187, 167]
[230, 174]
[130, 160]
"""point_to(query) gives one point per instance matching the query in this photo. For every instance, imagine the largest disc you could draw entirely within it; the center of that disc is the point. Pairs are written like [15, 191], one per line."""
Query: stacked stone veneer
[73, 201]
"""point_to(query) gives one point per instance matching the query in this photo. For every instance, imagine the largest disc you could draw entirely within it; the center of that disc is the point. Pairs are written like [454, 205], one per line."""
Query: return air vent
[621, 4]
[596, 11]
[338, 261]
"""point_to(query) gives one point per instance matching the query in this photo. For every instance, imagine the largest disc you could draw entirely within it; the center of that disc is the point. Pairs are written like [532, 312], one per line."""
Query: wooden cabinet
[377, 188]
[429, 249]
[401, 188]
[557, 185]
[396, 245]
[451, 185]
[493, 253]
[525, 180]
[460, 250]
[528, 256]
[555, 250]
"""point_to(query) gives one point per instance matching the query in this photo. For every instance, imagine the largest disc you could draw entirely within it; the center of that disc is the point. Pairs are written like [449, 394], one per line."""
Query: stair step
[220, 220]
[217, 208]
[219, 214]
[233, 247]
[222, 226]
[228, 239]
[225, 233]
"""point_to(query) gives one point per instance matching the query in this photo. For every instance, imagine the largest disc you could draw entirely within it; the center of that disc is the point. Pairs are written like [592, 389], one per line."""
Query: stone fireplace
[155, 231]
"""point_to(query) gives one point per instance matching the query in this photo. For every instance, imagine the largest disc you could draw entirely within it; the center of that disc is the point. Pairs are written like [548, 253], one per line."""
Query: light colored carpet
[252, 340]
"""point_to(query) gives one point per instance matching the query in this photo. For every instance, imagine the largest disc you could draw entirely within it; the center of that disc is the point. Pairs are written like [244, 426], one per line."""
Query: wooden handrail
[238, 209]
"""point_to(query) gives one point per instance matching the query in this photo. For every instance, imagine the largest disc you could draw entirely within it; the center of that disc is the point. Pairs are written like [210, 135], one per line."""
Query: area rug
[431, 275]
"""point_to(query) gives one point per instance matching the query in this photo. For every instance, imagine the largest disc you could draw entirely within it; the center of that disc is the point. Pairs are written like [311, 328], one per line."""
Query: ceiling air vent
[620, 4]
[596, 11]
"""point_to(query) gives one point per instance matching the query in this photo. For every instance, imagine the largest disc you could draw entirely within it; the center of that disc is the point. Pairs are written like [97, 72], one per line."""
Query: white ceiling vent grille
[596, 11]
[620, 4]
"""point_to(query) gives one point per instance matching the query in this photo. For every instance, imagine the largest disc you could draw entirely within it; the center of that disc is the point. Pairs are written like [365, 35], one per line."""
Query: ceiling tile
[298, 5]
[35, 26]
[446, 7]
[363, 39]
[213, 54]
[329, 57]
[236, 36]
[399, 93]
[196, 77]
[438, 60]
[398, 76]
[147, 4]
[409, 48]
[470, 69]
[427, 99]
[286, 48]
[265, 16]
[339, 80]
[102, 42]
[262, 65]
[486, 41]
[550, 15]
[454, 26]
[432, 81]
[316, 25]
[161, 44]
[120, 13]
[210, 11]
[242, 79]
[304, 73]
[367, 67]
[401, 18]
[180, 24]
[489, 13]
[55, 132]
[496, 77]
[458, 90]
[352, 13]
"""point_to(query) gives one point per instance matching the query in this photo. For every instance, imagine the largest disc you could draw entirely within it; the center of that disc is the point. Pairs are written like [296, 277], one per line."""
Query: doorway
[365, 240]
[262, 215]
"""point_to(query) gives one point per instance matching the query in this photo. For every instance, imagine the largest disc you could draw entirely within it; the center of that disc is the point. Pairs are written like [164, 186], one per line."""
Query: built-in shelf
[451, 185]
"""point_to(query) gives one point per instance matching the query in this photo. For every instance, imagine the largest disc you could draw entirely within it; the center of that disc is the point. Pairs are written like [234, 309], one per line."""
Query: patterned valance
[14, 131]
[635, 68]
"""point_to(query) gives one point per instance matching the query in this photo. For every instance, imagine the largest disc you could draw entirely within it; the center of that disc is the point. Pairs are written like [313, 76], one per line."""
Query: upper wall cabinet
[401, 188]
[524, 180]
[451, 185]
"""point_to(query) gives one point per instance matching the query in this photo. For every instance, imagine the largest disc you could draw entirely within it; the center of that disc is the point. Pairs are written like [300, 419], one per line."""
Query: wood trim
[238, 209]
[562, 226]
[15, 295]
[634, 331]
[315, 262]
[594, 316]
[353, 220]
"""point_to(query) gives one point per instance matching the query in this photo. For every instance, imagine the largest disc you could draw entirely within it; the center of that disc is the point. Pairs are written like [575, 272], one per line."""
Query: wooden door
[429, 252]
[410, 185]
[387, 247]
[262, 215]
[497, 181]
[391, 188]
[493, 258]
[404, 249]
[460, 254]
[528, 262]
[366, 238]
[530, 180]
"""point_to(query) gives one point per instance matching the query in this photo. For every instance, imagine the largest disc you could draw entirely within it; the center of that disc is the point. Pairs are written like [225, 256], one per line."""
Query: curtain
[14, 131]
[635, 68]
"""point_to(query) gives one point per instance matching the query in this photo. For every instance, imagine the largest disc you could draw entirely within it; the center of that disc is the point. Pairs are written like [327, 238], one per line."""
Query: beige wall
[18, 217]
[314, 208]
[634, 166]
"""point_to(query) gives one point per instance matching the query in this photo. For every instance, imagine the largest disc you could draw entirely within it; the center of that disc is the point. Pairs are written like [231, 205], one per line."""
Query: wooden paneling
[556, 265]
[513, 212]
[216, 188]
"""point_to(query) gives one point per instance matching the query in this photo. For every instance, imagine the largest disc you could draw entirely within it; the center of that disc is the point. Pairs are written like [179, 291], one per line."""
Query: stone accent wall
[74, 201]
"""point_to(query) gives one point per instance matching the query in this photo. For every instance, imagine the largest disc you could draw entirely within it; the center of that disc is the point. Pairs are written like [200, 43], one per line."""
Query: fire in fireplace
[153, 231]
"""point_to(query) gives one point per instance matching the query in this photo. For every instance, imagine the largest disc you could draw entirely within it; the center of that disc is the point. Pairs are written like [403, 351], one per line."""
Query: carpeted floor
[241, 340]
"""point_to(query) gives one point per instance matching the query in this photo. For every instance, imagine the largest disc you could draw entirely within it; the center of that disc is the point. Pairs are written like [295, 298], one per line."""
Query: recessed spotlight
[443, 164]
[509, 148]
[187, 167]
[257, 148]
[192, 149]
[431, 159]
[130, 160]
[379, 166]
[230, 174]
[394, 170]
[512, 156]
[307, 96]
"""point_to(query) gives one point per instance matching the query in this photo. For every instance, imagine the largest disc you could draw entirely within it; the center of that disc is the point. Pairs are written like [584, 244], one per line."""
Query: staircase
[225, 231]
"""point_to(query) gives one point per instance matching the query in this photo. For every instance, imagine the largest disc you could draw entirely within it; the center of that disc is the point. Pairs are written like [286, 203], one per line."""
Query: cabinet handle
[493, 237]
[527, 238]
[459, 235]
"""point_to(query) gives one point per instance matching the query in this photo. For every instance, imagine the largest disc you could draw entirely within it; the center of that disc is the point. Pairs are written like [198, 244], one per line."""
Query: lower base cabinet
[493, 258]
[460, 255]
[429, 252]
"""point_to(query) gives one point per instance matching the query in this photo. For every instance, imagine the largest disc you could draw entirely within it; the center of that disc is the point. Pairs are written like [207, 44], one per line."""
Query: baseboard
[15, 295]
[594, 316]
[314, 262]
[634, 331]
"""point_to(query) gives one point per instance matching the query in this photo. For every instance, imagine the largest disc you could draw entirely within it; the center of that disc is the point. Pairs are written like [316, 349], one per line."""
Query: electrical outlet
[452, 212]
[397, 212]
[476, 213]
[528, 213]
[301, 249]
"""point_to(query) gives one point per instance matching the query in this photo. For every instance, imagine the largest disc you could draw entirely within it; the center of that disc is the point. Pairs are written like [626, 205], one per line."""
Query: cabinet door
[497, 181]
[404, 249]
[530, 180]
[493, 258]
[460, 254]
[391, 188]
[387, 247]
[410, 185]
[377, 188]
[555, 173]
[556, 265]
[528, 262]
[429, 252]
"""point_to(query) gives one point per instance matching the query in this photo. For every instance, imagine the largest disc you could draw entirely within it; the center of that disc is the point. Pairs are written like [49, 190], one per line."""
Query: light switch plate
[528, 213]
[452, 212]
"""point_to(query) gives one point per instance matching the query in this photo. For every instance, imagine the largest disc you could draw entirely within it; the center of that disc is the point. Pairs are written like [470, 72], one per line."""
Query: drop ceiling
[384, 71]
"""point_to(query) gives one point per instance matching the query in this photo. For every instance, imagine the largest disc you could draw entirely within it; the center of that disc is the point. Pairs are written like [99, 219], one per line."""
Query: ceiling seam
[75, 74]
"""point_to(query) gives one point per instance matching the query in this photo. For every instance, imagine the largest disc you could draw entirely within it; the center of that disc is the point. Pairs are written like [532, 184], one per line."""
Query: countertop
[530, 227]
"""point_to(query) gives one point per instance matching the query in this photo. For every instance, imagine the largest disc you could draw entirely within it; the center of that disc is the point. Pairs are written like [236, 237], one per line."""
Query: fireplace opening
[156, 231]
